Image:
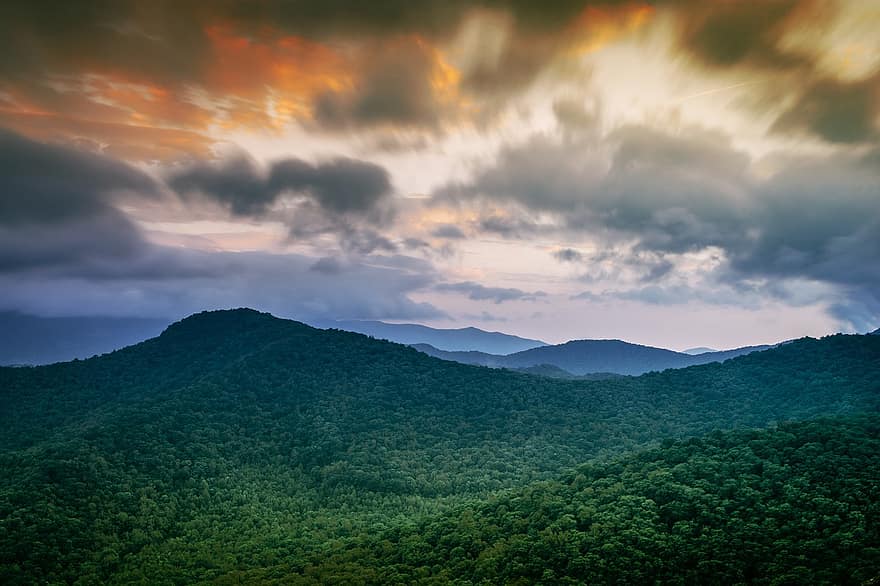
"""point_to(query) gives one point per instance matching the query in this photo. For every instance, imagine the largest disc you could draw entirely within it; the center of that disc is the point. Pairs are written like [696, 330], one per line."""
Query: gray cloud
[65, 248]
[43, 183]
[448, 231]
[338, 186]
[346, 198]
[478, 292]
[375, 288]
[678, 193]
[741, 33]
[328, 265]
[396, 90]
[57, 207]
[838, 112]
[662, 195]
[568, 255]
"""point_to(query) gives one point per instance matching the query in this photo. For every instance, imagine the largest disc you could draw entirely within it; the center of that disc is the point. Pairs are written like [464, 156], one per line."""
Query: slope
[794, 505]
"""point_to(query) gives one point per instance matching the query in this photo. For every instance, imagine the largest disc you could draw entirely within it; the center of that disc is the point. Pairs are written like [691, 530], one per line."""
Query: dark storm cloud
[43, 183]
[749, 37]
[338, 186]
[820, 220]
[396, 89]
[478, 292]
[838, 112]
[724, 34]
[57, 206]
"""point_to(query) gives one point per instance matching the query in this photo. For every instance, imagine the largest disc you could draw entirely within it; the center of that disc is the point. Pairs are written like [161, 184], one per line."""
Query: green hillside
[237, 445]
[796, 505]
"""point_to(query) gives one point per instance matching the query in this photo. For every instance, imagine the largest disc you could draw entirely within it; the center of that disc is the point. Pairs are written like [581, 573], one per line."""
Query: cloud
[677, 192]
[328, 265]
[345, 198]
[478, 292]
[67, 248]
[568, 255]
[284, 284]
[838, 112]
[756, 38]
[450, 231]
[338, 186]
[725, 34]
[152, 84]
[401, 85]
[58, 206]
[43, 183]
[651, 198]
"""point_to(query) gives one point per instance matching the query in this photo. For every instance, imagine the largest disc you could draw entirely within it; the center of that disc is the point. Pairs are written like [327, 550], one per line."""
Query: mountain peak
[221, 322]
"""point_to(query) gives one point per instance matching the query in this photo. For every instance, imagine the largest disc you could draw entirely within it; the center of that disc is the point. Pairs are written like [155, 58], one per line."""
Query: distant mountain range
[460, 339]
[30, 340]
[33, 340]
[583, 357]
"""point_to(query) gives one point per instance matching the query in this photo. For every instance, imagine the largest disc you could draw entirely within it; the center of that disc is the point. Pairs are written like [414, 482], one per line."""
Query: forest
[240, 448]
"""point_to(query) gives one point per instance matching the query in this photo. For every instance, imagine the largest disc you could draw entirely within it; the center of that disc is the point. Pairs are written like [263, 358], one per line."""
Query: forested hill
[236, 439]
[796, 505]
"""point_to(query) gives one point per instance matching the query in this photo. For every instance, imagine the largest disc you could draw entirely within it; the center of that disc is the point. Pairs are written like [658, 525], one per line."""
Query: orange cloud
[595, 27]
[126, 141]
[271, 78]
[253, 75]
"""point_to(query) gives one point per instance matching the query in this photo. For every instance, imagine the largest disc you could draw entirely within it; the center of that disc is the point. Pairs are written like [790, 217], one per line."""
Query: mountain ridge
[583, 357]
[468, 338]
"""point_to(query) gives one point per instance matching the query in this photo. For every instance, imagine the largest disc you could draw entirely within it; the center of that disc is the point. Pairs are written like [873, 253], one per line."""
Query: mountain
[241, 448]
[29, 339]
[445, 339]
[581, 357]
[698, 350]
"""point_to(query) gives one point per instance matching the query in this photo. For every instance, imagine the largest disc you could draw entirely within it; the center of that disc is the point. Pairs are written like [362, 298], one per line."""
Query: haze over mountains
[581, 357]
[459, 339]
[29, 340]
[238, 447]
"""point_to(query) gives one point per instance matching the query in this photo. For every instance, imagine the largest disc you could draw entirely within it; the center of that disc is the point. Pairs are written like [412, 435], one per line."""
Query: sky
[680, 173]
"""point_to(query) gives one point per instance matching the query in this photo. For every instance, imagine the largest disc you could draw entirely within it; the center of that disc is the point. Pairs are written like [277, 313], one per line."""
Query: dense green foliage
[239, 445]
[796, 505]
